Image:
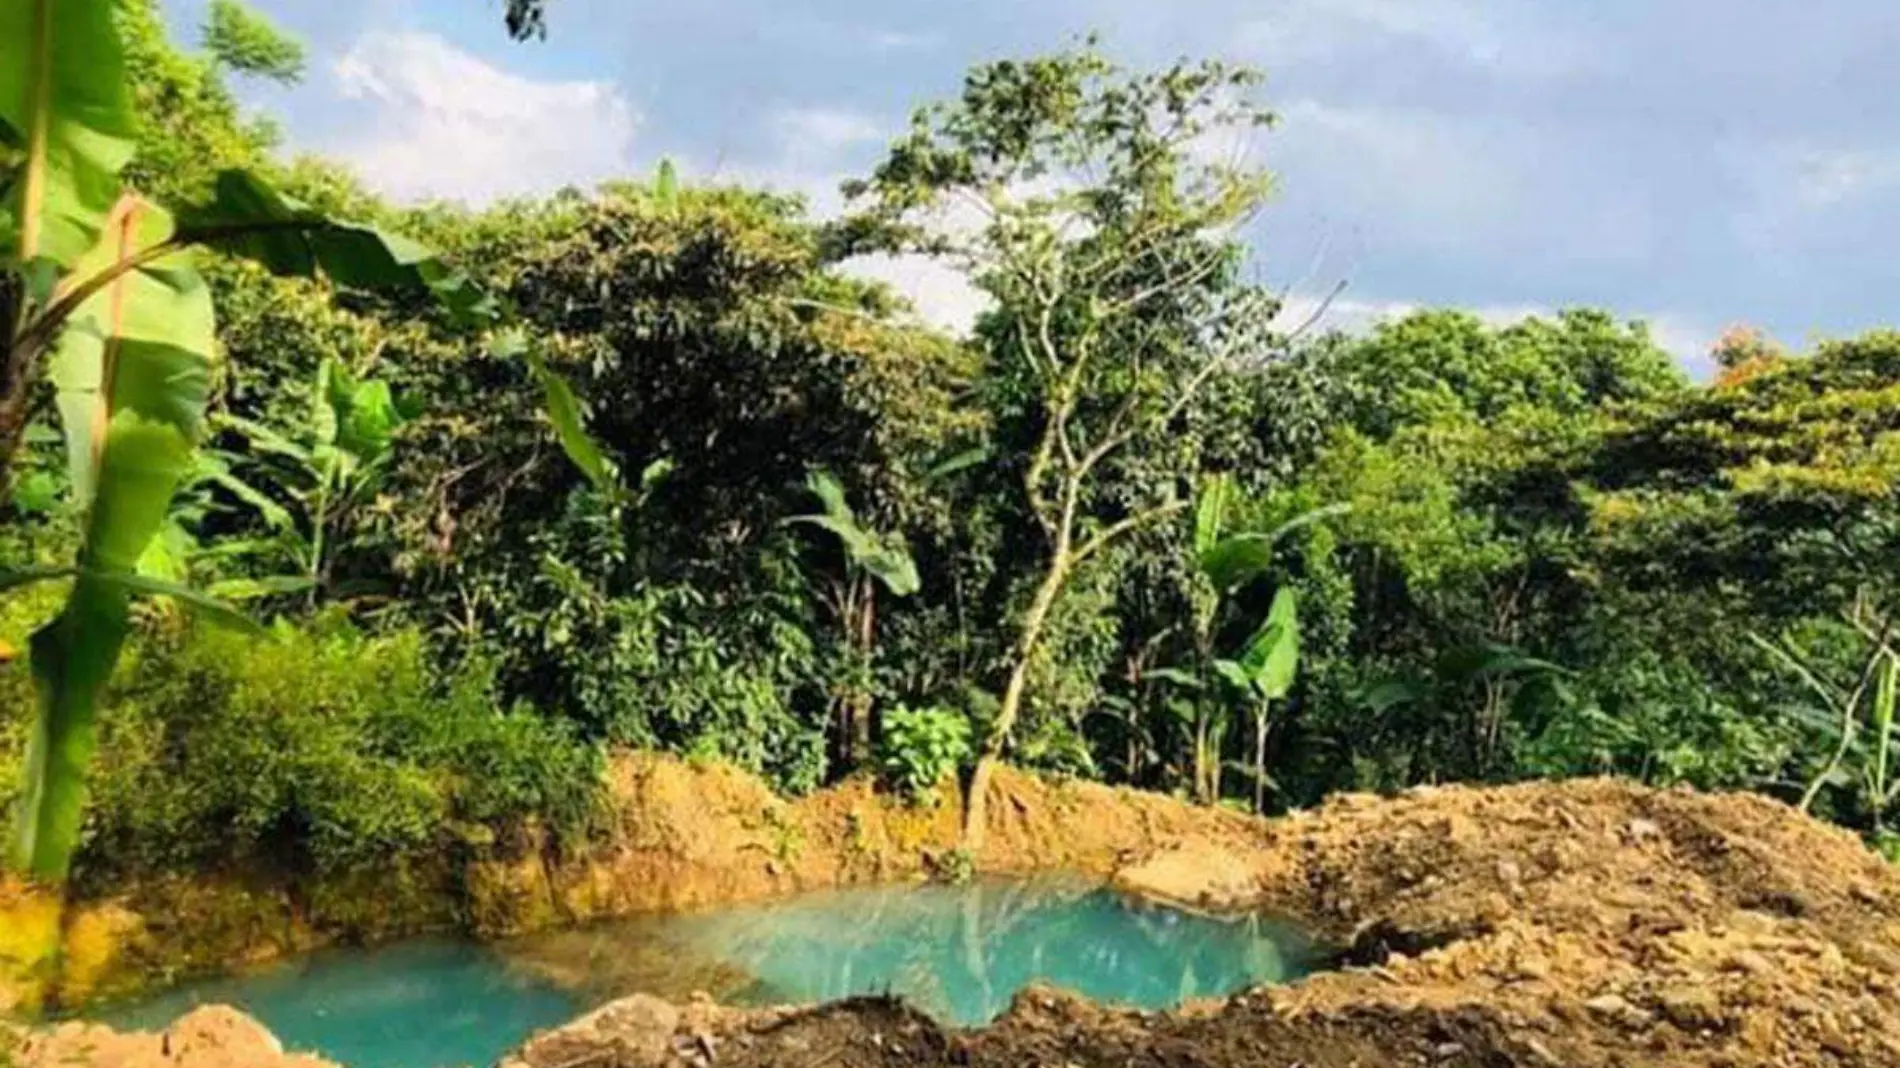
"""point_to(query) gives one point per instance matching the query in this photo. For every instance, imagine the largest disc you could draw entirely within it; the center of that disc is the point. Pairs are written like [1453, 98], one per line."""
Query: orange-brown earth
[1581, 924]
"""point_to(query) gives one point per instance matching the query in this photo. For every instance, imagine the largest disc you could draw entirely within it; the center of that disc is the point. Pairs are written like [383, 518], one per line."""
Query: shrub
[920, 747]
[317, 748]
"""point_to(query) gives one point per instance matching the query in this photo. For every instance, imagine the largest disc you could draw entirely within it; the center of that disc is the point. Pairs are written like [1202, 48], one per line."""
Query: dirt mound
[213, 1037]
[1579, 924]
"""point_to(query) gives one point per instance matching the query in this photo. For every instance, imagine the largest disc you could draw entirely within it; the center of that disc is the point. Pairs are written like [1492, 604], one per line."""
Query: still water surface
[957, 952]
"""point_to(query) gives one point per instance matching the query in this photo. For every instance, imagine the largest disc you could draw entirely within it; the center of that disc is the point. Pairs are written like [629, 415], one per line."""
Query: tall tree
[1098, 209]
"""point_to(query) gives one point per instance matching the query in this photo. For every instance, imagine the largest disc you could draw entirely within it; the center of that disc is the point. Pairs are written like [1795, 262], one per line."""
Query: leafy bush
[316, 748]
[920, 747]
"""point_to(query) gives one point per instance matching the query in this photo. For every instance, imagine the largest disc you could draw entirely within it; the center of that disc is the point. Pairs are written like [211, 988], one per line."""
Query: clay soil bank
[1577, 924]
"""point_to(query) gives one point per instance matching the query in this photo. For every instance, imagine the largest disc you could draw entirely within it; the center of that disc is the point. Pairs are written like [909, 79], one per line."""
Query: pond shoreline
[1575, 924]
[685, 836]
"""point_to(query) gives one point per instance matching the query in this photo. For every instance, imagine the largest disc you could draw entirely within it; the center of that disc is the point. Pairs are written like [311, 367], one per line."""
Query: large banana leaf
[63, 94]
[886, 557]
[1235, 561]
[248, 218]
[1210, 513]
[1271, 661]
[133, 374]
[569, 417]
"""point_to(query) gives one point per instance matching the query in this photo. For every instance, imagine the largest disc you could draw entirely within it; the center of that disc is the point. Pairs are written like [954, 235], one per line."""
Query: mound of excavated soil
[1580, 924]
[212, 1037]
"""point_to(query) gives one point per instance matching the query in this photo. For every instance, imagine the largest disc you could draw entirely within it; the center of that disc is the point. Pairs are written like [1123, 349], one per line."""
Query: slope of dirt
[685, 835]
[1587, 925]
[212, 1037]
[697, 835]
[1581, 924]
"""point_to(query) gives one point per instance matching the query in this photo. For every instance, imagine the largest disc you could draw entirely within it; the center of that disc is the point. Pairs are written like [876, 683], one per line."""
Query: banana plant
[1875, 687]
[1263, 671]
[327, 467]
[871, 559]
[100, 294]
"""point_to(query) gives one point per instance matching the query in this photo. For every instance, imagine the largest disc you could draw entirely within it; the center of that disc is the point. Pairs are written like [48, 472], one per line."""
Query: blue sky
[1690, 162]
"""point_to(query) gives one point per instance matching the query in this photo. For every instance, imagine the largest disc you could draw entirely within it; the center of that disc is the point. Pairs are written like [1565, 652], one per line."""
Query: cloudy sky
[1690, 162]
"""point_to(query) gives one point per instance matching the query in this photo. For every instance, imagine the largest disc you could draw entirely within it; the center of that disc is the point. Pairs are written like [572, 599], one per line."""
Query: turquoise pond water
[958, 953]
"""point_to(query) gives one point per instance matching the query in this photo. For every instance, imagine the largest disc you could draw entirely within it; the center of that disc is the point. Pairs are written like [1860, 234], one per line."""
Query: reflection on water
[959, 953]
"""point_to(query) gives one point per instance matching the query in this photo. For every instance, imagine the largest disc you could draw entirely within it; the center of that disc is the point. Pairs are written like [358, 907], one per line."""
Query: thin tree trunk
[1260, 758]
[865, 739]
[16, 401]
[976, 803]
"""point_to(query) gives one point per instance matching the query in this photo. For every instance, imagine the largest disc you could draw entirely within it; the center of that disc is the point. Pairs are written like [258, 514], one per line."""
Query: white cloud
[943, 295]
[437, 122]
[1505, 38]
[812, 135]
[1357, 316]
[1826, 177]
[1688, 340]
[899, 40]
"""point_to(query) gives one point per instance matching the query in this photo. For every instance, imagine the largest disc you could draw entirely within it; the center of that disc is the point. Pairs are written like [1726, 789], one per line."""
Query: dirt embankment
[684, 836]
[691, 836]
[1581, 925]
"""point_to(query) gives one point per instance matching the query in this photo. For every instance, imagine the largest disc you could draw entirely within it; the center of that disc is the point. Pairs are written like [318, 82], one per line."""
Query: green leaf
[1175, 676]
[367, 417]
[323, 407]
[656, 472]
[248, 218]
[1237, 560]
[892, 565]
[1210, 513]
[63, 93]
[264, 439]
[72, 657]
[253, 589]
[37, 493]
[1235, 673]
[830, 493]
[1233, 562]
[887, 558]
[666, 188]
[1272, 657]
[275, 515]
[569, 417]
[962, 461]
[245, 41]
[133, 370]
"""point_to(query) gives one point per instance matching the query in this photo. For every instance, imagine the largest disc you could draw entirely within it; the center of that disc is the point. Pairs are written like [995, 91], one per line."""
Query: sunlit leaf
[569, 417]
[248, 218]
[63, 95]
[132, 372]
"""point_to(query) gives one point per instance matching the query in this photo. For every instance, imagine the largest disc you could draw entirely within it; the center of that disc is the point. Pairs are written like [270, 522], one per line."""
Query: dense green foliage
[777, 521]
[923, 747]
[103, 308]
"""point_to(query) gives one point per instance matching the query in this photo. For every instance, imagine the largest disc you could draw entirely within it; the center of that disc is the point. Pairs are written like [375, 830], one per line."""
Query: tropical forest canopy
[694, 486]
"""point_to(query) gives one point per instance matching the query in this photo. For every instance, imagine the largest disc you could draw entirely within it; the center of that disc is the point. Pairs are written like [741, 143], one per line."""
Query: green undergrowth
[314, 751]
